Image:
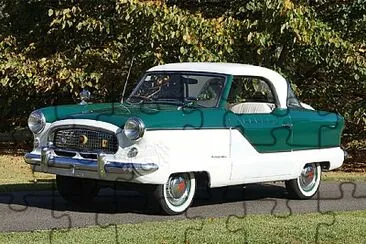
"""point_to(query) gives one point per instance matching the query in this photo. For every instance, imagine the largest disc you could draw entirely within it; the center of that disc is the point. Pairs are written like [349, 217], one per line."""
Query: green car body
[185, 124]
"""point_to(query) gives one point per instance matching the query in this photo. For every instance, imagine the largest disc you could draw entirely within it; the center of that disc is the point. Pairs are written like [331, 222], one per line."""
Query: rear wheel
[176, 195]
[307, 184]
[76, 190]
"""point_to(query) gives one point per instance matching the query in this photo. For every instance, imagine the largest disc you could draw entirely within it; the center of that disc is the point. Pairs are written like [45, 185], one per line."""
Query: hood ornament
[84, 97]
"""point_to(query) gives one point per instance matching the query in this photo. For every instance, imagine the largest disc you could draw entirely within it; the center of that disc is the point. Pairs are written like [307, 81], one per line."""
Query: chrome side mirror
[84, 97]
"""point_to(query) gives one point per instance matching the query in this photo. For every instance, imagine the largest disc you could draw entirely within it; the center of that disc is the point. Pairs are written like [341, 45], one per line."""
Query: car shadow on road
[240, 193]
[112, 201]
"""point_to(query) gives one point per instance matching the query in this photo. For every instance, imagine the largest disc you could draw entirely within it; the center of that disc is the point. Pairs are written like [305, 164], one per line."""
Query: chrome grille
[85, 140]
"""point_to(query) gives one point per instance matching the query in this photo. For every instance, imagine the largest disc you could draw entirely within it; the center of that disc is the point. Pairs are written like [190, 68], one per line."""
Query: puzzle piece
[332, 197]
[247, 197]
[189, 230]
[241, 218]
[254, 195]
[215, 196]
[325, 127]
[136, 206]
[106, 221]
[119, 205]
[58, 217]
[109, 225]
[24, 214]
[276, 208]
[196, 122]
[271, 135]
[110, 220]
[330, 201]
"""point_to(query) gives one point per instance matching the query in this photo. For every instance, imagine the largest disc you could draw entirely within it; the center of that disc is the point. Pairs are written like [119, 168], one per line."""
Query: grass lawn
[13, 169]
[338, 227]
[15, 174]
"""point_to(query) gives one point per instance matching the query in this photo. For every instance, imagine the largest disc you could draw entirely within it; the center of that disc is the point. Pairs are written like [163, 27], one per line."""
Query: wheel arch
[325, 165]
[203, 179]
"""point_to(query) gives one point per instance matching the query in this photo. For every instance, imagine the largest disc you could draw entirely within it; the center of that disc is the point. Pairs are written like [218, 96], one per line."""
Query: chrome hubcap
[308, 177]
[177, 189]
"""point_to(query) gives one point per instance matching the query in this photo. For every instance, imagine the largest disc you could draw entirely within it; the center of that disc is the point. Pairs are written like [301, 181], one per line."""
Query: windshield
[180, 88]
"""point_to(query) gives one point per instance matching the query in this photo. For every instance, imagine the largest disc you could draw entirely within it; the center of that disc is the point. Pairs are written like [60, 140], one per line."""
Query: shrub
[50, 50]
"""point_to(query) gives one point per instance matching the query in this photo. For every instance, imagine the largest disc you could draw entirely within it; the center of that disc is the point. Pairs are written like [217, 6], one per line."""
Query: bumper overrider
[100, 168]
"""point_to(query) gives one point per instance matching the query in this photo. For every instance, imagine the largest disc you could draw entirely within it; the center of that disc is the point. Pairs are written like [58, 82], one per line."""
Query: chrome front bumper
[101, 168]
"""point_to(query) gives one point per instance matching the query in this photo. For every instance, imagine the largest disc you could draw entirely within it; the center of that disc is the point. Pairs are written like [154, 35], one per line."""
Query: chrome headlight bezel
[134, 128]
[36, 122]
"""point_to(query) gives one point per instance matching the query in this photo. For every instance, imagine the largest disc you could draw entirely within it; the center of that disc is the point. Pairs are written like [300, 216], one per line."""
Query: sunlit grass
[15, 174]
[338, 227]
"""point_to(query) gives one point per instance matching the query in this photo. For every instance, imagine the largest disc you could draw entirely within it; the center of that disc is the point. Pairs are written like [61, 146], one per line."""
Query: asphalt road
[25, 211]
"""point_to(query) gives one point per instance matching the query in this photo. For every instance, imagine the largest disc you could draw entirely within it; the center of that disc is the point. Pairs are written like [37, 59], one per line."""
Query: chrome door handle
[287, 125]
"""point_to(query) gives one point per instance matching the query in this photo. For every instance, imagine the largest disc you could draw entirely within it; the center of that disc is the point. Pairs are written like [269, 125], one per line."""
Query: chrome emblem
[104, 143]
[83, 139]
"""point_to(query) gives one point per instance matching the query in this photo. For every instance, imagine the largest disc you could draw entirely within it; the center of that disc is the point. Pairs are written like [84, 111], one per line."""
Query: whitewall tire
[307, 184]
[176, 195]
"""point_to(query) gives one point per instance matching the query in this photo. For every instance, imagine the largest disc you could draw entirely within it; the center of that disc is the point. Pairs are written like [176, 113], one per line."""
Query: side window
[250, 95]
[292, 100]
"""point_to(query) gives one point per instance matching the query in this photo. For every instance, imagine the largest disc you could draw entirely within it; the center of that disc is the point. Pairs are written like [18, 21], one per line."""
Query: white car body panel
[225, 154]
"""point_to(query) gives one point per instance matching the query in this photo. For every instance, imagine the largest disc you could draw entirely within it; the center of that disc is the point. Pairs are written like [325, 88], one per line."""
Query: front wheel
[176, 195]
[307, 184]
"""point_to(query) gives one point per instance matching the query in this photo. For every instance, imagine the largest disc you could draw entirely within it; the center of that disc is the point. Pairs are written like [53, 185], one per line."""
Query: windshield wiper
[167, 101]
[187, 103]
[142, 99]
[174, 101]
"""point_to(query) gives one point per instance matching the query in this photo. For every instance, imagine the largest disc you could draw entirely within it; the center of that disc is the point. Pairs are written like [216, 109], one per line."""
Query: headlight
[36, 121]
[134, 128]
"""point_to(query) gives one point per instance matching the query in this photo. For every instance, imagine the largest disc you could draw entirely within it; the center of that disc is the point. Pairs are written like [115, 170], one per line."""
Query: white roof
[222, 68]
[279, 83]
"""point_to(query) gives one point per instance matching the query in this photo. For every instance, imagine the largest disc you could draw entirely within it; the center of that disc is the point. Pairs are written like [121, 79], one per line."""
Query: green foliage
[50, 50]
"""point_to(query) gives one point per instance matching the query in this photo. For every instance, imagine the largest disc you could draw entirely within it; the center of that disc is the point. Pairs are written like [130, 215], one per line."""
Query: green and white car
[189, 124]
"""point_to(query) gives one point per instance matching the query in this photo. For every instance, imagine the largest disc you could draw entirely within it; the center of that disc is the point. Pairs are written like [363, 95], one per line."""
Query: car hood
[154, 116]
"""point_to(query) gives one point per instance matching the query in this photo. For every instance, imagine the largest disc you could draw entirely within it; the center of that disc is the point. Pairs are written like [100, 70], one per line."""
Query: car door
[260, 131]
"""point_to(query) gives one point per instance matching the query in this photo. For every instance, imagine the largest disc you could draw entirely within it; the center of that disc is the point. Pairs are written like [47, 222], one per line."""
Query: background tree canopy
[50, 50]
